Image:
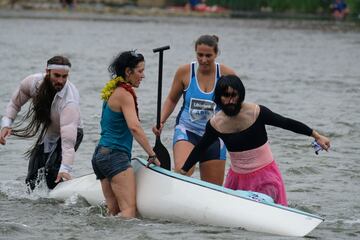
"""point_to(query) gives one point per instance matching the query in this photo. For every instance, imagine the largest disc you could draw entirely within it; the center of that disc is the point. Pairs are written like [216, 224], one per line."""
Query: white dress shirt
[65, 116]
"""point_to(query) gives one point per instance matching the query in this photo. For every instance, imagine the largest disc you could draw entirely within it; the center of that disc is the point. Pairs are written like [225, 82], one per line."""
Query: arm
[277, 120]
[127, 105]
[21, 95]
[207, 139]
[69, 121]
[173, 97]
[274, 119]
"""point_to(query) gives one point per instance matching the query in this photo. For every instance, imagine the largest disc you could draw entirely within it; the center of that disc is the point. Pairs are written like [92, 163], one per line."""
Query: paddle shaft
[160, 150]
[161, 53]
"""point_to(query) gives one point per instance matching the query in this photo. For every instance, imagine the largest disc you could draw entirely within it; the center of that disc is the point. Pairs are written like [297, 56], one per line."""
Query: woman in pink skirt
[241, 126]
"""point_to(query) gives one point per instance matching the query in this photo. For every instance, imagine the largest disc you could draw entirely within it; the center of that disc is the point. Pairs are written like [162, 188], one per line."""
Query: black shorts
[50, 162]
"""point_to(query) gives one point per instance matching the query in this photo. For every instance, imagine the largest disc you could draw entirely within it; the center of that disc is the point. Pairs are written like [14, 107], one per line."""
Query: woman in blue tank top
[119, 124]
[196, 82]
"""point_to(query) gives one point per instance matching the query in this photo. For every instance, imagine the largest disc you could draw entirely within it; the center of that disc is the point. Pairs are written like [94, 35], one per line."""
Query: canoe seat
[259, 197]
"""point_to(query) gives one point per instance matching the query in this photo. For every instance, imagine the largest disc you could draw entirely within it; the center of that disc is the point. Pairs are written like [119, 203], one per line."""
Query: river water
[307, 70]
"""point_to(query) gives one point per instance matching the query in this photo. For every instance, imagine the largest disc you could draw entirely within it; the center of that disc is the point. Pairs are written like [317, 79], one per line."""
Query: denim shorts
[108, 162]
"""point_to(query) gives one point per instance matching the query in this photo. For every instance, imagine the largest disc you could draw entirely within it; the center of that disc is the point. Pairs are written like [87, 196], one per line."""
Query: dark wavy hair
[39, 111]
[224, 83]
[127, 59]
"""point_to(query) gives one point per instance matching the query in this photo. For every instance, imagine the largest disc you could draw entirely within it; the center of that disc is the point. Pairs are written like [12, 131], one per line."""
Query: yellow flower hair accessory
[110, 87]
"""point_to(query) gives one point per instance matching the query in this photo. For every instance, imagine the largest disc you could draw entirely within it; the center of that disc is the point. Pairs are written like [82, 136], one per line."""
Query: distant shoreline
[91, 12]
[131, 9]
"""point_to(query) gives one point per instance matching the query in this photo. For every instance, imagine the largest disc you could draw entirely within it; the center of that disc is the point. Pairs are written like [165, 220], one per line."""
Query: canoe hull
[162, 194]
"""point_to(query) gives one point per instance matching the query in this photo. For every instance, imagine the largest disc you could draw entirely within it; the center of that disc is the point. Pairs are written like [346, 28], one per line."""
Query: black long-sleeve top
[250, 138]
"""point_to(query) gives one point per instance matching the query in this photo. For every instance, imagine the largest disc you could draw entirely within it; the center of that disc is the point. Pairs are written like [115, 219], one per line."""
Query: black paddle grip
[161, 49]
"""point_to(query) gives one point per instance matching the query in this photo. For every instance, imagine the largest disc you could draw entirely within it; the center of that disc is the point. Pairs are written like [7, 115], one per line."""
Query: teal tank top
[115, 133]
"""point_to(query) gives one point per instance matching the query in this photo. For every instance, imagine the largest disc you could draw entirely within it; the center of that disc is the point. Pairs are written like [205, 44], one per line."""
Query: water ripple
[13, 229]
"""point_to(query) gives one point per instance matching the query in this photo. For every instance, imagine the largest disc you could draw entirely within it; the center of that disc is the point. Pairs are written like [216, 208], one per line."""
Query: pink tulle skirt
[266, 180]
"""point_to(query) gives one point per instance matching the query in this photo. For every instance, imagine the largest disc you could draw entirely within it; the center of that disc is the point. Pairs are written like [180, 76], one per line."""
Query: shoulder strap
[217, 71]
[130, 89]
[192, 70]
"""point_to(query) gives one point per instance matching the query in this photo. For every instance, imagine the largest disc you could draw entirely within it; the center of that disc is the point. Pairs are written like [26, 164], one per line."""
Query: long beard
[231, 109]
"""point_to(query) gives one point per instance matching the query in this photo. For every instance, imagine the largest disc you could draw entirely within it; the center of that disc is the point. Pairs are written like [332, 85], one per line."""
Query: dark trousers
[50, 162]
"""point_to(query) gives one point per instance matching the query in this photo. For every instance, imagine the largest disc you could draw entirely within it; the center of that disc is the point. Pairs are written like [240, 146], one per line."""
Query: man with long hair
[53, 116]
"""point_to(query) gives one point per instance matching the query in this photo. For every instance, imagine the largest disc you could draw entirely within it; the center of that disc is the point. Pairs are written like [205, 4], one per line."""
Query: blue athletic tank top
[115, 133]
[198, 106]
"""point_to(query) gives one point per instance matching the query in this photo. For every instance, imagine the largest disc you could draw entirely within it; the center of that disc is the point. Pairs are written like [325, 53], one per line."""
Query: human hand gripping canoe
[153, 160]
[63, 176]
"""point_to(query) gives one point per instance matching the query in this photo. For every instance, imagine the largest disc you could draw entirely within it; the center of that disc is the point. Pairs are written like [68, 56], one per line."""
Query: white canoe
[162, 194]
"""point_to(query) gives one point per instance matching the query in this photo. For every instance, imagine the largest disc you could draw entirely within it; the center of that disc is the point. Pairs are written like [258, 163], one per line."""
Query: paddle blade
[162, 154]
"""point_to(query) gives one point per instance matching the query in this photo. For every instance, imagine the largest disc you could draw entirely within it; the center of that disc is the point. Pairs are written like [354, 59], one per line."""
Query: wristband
[6, 122]
[65, 168]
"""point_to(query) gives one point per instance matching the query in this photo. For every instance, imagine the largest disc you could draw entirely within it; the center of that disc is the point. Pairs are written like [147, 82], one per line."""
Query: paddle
[161, 151]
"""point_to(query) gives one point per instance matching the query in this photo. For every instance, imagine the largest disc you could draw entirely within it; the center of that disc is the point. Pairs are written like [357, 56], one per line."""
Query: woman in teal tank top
[119, 125]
